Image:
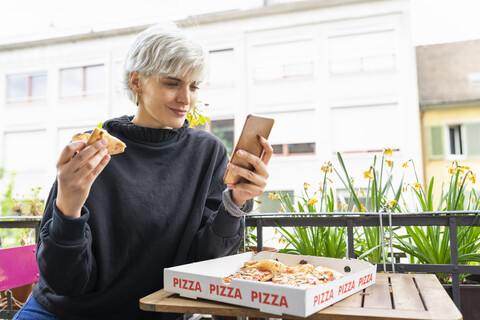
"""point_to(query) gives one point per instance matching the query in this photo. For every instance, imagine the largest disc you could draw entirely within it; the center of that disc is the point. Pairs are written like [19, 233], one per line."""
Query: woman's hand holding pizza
[256, 179]
[77, 169]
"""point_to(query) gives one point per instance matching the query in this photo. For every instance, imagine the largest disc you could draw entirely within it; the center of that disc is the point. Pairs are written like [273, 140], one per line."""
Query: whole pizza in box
[272, 282]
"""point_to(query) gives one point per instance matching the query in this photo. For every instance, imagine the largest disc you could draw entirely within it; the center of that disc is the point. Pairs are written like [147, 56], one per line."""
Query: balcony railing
[451, 219]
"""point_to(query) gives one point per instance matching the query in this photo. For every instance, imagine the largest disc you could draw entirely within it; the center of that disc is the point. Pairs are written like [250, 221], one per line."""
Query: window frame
[83, 92]
[28, 98]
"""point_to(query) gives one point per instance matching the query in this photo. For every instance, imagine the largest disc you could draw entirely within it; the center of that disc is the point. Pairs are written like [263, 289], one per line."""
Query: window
[453, 140]
[276, 61]
[455, 137]
[474, 78]
[267, 205]
[359, 53]
[26, 87]
[81, 81]
[223, 129]
[294, 149]
[221, 67]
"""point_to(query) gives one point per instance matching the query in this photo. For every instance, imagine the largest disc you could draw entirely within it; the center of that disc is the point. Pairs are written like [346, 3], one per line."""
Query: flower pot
[469, 306]
[19, 296]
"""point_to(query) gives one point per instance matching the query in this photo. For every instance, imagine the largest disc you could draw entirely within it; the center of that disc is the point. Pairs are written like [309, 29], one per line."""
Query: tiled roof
[449, 72]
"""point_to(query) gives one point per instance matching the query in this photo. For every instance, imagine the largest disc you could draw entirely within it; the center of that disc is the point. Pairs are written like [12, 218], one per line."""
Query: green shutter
[472, 138]
[435, 142]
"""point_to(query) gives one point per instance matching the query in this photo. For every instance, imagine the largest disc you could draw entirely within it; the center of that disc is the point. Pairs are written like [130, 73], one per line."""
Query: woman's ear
[135, 81]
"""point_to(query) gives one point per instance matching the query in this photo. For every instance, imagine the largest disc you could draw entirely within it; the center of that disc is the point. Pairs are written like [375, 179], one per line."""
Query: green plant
[315, 241]
[431, 244]
[196, 116]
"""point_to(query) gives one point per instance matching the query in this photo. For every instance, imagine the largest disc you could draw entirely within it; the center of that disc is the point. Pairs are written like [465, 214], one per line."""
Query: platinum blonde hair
[164, 50]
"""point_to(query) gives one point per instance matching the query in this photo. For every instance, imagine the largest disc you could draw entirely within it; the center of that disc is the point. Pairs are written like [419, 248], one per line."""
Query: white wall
[342, 77]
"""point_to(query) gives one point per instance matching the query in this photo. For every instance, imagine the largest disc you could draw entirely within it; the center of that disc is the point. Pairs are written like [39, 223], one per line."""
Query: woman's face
[164, 103]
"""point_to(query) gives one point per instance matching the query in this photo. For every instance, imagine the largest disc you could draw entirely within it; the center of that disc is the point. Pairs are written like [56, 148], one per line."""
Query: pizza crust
[114, 145]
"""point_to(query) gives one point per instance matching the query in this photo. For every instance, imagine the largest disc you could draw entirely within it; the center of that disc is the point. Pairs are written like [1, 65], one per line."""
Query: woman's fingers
[258, 177]
[267, 155]
[69, 151]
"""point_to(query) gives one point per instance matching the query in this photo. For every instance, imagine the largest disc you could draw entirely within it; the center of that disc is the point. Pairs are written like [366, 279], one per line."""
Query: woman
[112, 224]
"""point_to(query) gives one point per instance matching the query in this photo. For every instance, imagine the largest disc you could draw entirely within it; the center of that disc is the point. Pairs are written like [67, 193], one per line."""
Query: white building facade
[337, 76]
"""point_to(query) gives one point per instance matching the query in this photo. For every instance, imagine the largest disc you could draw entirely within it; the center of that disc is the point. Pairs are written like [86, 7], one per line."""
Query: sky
[433, 21]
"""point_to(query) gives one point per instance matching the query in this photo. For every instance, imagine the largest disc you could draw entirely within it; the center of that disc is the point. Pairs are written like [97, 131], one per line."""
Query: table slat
[433, 295]
[405, 293]
[378, 295]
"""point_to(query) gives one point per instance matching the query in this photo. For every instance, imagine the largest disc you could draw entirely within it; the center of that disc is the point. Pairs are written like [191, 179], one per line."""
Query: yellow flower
[277, 197]
[452, 170]
[389, 163]
[361, 192]
[472, 177]
[312, 201]
[387, 152]
[417, 185]
[327, 167]
[392, 203]
[405, 165]
[306, 185]
[362, 207]
[367, 175]
[271, 196]
[460, 183]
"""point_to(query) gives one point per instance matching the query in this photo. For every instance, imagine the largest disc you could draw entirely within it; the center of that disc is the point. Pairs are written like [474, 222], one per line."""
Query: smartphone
[253, 128]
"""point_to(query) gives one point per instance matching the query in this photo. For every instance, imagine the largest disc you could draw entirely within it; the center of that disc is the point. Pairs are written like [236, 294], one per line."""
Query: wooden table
[393, 296]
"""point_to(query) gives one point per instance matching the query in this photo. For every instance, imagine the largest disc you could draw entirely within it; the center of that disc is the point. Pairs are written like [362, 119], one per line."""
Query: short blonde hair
[164, 50]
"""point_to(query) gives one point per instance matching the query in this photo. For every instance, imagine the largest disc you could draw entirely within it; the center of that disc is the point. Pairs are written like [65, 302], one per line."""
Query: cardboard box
[204, 280]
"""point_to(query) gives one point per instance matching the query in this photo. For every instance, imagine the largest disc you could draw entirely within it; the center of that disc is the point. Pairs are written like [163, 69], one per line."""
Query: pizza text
[269, 298]
[225, 291]
[187, 284]
[366, 279]
[346, 287]
[323, 297]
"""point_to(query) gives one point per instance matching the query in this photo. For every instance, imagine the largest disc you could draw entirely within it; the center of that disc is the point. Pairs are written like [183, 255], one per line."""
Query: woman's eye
[194, 88]
[172, 84]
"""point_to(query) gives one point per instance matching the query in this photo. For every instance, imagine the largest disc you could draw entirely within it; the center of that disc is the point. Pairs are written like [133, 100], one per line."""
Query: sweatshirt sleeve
[64, 254]
[220, 232]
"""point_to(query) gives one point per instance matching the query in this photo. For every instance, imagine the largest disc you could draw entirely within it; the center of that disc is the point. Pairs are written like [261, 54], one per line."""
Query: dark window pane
[223, 129]
[301, 148]
[277, 149]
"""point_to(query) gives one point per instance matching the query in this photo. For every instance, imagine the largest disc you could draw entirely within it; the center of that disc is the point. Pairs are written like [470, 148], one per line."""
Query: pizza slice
[114, 145]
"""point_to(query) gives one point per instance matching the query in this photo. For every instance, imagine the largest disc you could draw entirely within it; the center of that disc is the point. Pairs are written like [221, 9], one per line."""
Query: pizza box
[204, 280]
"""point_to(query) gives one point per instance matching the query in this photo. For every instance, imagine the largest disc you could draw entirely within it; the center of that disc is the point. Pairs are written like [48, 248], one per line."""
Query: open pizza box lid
[204, 280]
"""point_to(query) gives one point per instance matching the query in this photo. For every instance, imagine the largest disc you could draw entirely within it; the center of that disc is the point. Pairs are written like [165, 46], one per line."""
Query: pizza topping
[303, 275]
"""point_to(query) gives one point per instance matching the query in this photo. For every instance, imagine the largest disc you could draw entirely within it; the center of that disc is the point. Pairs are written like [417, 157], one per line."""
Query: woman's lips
[179, 112]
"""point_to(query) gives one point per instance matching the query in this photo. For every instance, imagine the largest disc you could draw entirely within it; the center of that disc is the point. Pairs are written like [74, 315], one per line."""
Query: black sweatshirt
[156, 205]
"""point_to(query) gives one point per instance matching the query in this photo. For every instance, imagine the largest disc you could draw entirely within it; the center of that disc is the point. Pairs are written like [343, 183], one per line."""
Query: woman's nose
[183, 96]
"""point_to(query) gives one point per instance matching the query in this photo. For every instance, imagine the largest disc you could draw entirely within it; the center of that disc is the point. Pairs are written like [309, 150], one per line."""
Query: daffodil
[387, 152]
[362, 207]
[405, 165]
[452, 170]
[312, 201]
[472, 177]
[361, 192]
[392, 203]
[306, 185]
[417, 185]
[367, 175]
[271, 195]
[389, 163]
